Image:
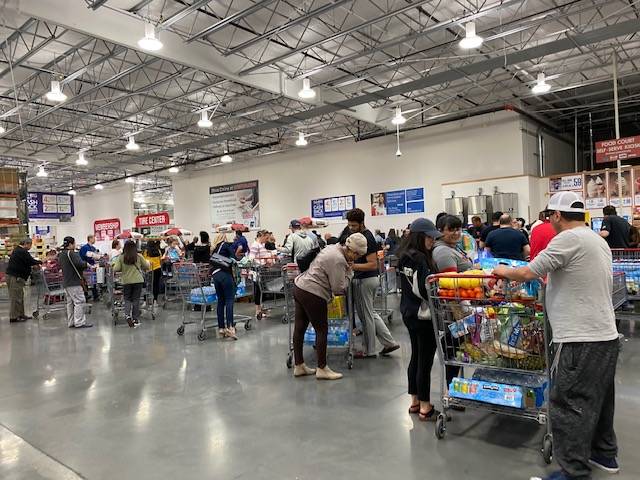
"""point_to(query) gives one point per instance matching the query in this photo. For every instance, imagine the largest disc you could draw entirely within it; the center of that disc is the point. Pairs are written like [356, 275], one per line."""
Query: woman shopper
[72, 281]
[328, 275]
[131, 264]
[116, 249]
[392, 242]
[262, 257]
[415, 264]
[153, 255]
[202, 250]
[225, 284]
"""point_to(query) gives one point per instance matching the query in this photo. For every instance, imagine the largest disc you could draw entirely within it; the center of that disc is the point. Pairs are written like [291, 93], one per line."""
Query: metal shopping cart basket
[192, 292]
[619, 294]
[497, 331]
[171, 292]
[53, 294]
[627, 260]
[271, 282]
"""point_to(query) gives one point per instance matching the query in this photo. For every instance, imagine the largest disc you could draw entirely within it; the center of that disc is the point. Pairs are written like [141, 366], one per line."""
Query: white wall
[558, 153]
[479, 147]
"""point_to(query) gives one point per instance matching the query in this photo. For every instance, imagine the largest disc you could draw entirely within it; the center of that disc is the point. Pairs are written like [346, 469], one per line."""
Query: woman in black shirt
[415, 264]
[202, 251]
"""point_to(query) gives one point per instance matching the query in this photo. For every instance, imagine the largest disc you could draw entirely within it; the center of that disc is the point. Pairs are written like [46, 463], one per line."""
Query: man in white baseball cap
[577, 263]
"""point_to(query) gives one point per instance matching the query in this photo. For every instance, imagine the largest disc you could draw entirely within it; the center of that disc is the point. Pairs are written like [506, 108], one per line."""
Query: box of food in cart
[337, 308]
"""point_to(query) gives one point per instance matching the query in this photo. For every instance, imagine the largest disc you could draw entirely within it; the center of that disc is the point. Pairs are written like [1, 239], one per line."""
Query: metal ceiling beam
[124, 29]
[96, 4]
[230, 19]
[185, 12]
[455, 73]
[292, 23]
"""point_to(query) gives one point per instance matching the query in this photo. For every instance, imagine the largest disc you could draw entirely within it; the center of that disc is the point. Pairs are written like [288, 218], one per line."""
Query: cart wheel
[153, 316]
[247, 325]
[35, 314]
[441, 427]
[350, 361]
[259, 316]
[202, 336]
[284, 320]
[180, 330]
[289, 361]
[547, 448]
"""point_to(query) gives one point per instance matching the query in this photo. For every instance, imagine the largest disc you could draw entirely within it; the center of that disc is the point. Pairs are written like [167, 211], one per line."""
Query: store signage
[618, 149]
[107, 229]
[595, 189]
[152, 220]
[235, 203]
[397, 202]
[566, 183]
[614, 199]
[49, 205]
[332, 207]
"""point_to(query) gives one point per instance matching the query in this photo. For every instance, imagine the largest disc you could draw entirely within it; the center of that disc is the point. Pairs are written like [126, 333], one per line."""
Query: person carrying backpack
[298, 244]
[329, 274]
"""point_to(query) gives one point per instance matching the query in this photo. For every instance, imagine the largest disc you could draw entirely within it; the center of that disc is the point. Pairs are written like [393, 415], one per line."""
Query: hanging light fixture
[398, 118]
[204, 121]
[2, 129]
[132, 145]
[541, 85]
[71, 191]
[226, 158]
[301, 141]
[470, 40]
[173, 169]
[129, 180]
[398, 152]
[98, 186]
[150, 40]
[81, 160]
[55, 94]
[307, 91]
[41, 172]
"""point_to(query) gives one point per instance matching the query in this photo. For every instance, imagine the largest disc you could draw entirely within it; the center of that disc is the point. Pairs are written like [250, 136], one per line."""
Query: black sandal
[430, 416]
[413, 409]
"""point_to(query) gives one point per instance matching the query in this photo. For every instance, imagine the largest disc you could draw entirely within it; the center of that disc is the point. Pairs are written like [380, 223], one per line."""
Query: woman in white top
[261, 256]
[116, 249]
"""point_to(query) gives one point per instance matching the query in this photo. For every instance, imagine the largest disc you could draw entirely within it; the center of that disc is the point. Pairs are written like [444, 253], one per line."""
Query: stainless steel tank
[481, 206]
[456, 206]
[506, 203]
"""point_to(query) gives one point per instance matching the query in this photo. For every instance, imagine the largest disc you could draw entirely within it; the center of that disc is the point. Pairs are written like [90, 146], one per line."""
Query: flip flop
[429, 416]
[413, 409]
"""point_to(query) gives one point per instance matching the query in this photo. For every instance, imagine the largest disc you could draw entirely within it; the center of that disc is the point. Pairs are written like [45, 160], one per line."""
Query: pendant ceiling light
[132, 145]
[150, 40]
[226, 158]
[56, 94]
[470, 40]
[398, 118]
[173, 169]
[301, 141]
[98, 186]
[307, 91]
[204, 121]
[129, 180]
[2, 129]
[81, 160]
[41, 172]
[541, 85]
[71, 191]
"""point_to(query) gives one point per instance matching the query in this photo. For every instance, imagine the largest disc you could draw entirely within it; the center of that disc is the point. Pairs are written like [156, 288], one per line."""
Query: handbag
[83, 282]
[424, 312]
[220, 261]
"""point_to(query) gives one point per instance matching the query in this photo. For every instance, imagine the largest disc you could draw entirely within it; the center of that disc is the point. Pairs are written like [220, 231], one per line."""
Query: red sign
[620, 149]
[106, 229]
[152, 220]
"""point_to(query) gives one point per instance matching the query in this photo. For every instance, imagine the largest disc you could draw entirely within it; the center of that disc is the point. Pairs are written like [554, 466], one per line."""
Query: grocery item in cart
[534, 387]
[208, 292]
[487, 392]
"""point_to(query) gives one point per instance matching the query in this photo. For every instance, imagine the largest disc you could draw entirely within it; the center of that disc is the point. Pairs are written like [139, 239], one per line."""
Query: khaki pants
[373, 326]
[16, 296]
[75, 306]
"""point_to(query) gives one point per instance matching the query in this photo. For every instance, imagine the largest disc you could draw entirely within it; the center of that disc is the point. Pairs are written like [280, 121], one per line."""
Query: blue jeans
[226, 293]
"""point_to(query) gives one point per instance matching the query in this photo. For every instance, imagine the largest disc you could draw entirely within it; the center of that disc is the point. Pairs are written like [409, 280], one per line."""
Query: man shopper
[299, 243]
[541, 235]
[18, 271]
[88, 254]
[366, 283]
[240, 245]
[579, 272]
[495, 219]
[475, 230]
[507, 242]
[615, 230]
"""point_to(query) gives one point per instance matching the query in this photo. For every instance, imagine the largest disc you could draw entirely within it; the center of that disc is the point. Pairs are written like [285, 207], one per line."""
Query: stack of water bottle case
[339, 328]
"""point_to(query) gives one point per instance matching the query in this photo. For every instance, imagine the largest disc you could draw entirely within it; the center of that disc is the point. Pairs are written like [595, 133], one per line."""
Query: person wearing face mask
[415, 264]
[329, 274]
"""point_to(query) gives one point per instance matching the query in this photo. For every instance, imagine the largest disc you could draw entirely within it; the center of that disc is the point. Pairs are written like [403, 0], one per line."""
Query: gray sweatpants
[582, 405]
[364, 291]
[75, 306]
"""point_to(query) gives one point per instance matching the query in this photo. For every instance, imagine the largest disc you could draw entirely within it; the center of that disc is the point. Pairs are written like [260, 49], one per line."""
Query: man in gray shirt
[577, 263]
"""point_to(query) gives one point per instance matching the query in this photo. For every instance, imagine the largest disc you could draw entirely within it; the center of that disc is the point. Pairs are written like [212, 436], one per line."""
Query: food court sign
[618, 149]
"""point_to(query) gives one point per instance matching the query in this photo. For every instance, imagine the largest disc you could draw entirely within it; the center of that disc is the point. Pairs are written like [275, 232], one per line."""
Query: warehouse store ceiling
[85, 101]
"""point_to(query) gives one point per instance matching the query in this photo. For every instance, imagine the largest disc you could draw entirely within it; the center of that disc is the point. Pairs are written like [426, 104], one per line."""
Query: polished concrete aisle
[116, 403]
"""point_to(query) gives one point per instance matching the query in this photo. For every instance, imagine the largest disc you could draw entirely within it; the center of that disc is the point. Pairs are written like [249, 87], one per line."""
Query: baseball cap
[426, 226]
[569, 202]
[294, 223]
[357, 242]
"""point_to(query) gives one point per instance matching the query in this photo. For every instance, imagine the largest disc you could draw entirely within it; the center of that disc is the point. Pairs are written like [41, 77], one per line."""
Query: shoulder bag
[424, 312]
[83, 282]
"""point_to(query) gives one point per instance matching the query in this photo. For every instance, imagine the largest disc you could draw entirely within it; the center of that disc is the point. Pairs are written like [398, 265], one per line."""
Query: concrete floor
[116, 403]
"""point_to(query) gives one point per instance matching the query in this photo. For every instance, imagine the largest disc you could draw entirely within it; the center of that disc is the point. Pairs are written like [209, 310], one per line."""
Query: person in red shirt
[541, 235]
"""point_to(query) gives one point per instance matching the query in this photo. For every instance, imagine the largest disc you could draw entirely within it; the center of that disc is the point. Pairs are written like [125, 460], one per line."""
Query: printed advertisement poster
[620, 149]
[595, 190]
[614, 193]
[235, 203]
[49, 205]
[332, 207]
[566, 183]
[397, 202]
[106, 229]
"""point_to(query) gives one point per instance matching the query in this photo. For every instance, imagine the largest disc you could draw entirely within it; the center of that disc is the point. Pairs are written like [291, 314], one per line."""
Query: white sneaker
[327, 374]
[302, 370]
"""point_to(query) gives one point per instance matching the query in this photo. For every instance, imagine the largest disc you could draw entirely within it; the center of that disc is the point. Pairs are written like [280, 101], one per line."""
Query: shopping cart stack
[497, 329]
[627, 260]
[271, 281]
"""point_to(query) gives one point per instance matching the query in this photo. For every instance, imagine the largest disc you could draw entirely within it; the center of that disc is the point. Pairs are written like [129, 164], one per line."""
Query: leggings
[225, 290]
[310, 309]
[157, 276]
[257, 294]
[423, 350]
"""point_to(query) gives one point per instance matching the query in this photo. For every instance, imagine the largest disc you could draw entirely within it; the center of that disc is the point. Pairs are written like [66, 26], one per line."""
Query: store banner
[618, 149]
[152, 220]
[595, 191]
[106, 229]
[566, 183]
[332, 207]
[235, 203]
[397, 202]
[614, 195]
[49, 205]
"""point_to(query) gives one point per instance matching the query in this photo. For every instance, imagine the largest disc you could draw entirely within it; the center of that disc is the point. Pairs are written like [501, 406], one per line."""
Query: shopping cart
[170, 292]
[627, 260]
[271, 282]
[192, 293]
[53, 294]
[116, 296]
[381, 305]
[498, 329]
[619, 295]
